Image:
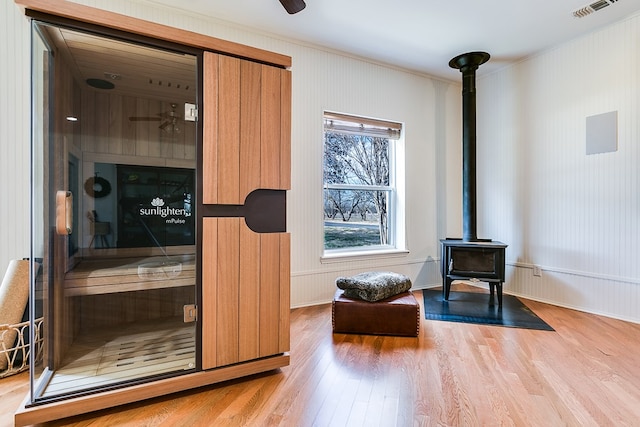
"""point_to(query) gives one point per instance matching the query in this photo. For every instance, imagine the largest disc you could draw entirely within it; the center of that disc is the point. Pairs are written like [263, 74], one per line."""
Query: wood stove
[482, 260]
[470, 257]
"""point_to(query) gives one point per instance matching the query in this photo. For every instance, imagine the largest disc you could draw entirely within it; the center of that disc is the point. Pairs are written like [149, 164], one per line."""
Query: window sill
[350, 256]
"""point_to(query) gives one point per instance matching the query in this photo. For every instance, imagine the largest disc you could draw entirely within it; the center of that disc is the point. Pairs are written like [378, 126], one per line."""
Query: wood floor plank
[584, 373]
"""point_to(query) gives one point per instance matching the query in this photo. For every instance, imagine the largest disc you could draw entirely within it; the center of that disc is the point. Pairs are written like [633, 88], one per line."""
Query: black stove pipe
[468, 63]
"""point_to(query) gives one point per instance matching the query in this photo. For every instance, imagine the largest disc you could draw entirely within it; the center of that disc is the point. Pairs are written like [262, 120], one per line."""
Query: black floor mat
[475, 307]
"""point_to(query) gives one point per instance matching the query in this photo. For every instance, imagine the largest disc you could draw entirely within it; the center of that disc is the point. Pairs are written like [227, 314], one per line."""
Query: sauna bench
[106, 276]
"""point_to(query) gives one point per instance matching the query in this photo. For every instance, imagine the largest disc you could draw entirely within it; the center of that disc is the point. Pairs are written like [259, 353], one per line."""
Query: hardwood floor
[586, 373]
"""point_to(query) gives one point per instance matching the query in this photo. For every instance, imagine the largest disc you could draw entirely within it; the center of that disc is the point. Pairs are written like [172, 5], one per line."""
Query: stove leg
[498, 287]
[491, 290]
[446, 288]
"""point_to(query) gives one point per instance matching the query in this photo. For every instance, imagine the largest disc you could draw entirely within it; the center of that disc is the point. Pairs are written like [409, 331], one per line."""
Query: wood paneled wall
[106, 128]
[111, 310]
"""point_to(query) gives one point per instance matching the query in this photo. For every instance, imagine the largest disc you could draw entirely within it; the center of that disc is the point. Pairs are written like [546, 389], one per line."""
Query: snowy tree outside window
[359, 191]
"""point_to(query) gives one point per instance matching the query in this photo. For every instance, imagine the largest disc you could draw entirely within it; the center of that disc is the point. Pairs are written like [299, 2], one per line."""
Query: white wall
[14, 135]
[575, 215]
[321, 80]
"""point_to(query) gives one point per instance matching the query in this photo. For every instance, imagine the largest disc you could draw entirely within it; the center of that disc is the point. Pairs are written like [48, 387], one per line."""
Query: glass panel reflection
[112, 292]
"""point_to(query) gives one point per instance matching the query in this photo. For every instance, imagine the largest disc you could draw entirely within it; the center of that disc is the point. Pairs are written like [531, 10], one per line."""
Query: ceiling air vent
[593, 7]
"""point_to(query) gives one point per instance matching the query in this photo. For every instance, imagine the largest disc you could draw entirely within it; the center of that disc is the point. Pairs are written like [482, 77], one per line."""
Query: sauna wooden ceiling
[133, 70]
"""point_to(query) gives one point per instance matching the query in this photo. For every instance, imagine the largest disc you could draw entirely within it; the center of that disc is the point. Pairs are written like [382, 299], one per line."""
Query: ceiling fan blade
[145, 119]
[293, 6]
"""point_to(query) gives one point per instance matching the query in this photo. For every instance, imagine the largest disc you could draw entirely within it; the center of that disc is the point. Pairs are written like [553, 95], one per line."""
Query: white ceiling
[421, 35]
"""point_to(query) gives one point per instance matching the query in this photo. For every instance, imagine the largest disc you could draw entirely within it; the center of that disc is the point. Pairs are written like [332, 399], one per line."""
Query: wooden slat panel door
[245, 275]
[228, 168]
[227, 280]
[270, 128]
[250, 128]
[210, 129]
[285, 292]
[221, 145]
[285, 131]
[245, 306]
[247, 122]
[209, 292]
[249, 298]
[274, 293]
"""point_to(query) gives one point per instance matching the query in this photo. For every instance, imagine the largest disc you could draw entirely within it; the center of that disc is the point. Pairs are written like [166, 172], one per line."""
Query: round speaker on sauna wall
[100, 84]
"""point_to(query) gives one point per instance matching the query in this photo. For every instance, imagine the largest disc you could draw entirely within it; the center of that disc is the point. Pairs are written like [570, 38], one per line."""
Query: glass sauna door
[113, 220]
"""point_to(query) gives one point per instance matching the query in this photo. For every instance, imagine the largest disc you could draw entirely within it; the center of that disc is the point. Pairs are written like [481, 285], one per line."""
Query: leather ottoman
[397, 315]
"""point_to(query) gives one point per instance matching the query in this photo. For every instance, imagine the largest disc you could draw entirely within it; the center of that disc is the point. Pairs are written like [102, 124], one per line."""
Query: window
[361, 203]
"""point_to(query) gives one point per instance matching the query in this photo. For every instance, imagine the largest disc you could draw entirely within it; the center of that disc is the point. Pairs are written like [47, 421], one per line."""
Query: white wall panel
[14, 134]
[576, 215]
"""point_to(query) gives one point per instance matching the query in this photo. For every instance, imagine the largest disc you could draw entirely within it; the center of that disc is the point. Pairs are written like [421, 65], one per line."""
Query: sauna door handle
[64, 212]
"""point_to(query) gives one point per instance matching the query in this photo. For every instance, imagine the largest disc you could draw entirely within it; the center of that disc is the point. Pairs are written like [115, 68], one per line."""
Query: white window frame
[395, 210]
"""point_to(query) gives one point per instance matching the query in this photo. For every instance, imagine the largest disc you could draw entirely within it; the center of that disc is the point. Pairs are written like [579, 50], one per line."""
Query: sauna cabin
[161, 163]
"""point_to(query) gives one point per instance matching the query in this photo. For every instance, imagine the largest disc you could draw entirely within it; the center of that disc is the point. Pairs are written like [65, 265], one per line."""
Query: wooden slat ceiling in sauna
[135, 70]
